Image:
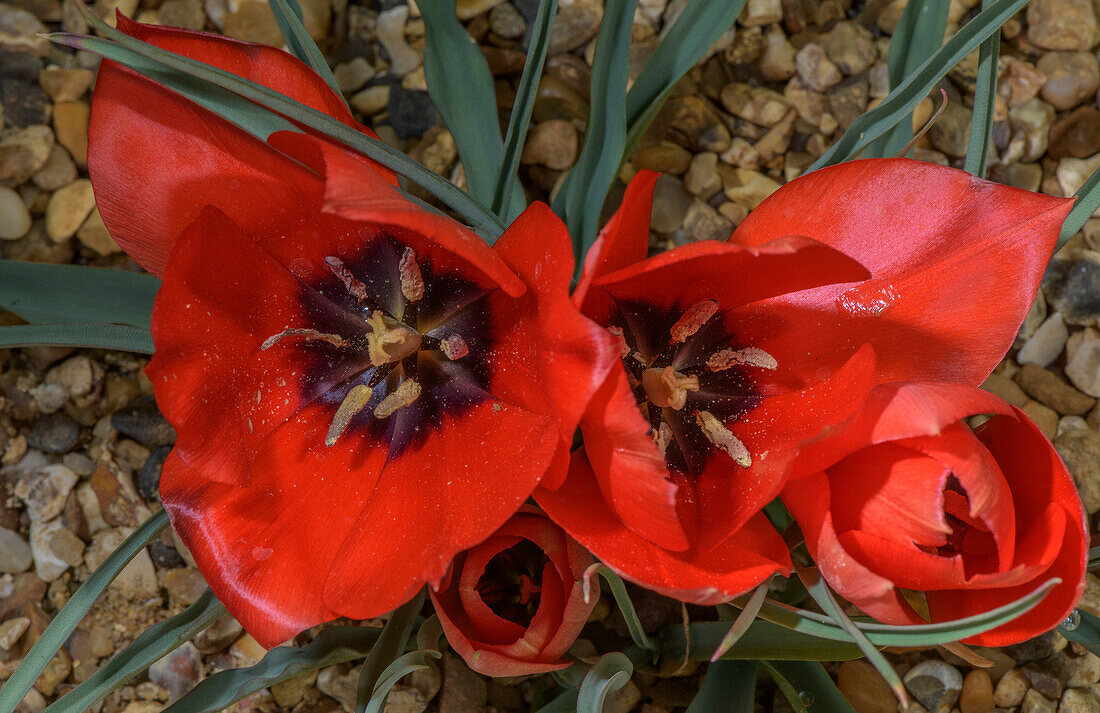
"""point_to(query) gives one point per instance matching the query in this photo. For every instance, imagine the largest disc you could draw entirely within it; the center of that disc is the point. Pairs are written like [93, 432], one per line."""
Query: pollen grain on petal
[454, 347]
[405, 394]
[351, 283]
[717, 433]
[412, 282]
[353, 403]
[308, 335]
[749, 356]
[693, 320]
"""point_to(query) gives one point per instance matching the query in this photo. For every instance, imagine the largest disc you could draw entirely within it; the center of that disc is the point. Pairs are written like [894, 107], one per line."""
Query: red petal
[184, 157]
[895, 412]
[430, 502]
[1039, 481]
[222, 297]
[631, 473]
[624, 240]
[731, 274]
[736, 565]
[488, 626]
[955, 263]
[264, 550]
[548, 357]
[356, 192]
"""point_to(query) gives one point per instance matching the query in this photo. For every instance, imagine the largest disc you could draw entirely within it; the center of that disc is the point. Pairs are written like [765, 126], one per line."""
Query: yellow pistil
[309, 335]
[406, 393]
[749, 356]
[412, 282]
[353, 403]
[693, 320]
[667, 387]
[389, 342]
[717, 433]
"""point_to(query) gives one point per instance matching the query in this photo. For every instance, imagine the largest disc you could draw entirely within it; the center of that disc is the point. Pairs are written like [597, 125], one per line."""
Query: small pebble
[1046, 343]
[15, 219]
[934, 684]
[977, 693]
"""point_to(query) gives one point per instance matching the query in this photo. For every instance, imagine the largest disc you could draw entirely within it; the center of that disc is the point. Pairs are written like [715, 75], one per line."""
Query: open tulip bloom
[368, 395]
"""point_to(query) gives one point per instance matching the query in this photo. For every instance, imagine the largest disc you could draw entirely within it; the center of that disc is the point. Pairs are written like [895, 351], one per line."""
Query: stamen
[662, 436]
[624, 348]
[667, 387]
[750, 356]
[352, 284]
[412, 282]
[387, 343]
[353, 403]
[717, 433]
[406, 392]
[309, 335]
[454, 347]
[693, 320]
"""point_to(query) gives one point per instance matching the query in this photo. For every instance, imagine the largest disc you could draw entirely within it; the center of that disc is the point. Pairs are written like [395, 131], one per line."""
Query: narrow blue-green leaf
[62, 625]
[242, 113]
[100, 336]
[626, 607]
[818, 627]
[1083, 628]
[763, 640]
[901, 101]
[485, 222]
[504, 201]
[815, 687]
[697, 28]
[288, 15]
[728, 687]
[332, 646]
[609, 674]
[918, 35]
[45, 293]
[427, 650]
[785, 687]
[153, 644]
[743, 621]
[819, 590]
[1088, 200]
[564, 703]
[985, 97]
[391, 644]
[581, 196]
[461, 86]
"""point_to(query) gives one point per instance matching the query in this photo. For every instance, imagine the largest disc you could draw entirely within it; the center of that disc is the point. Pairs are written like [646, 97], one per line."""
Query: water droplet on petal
[1072, 621]
[806, 697]
[870, 299]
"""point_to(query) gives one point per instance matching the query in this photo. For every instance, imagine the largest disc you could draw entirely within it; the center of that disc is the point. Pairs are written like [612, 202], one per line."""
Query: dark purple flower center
[409, 337]
[512, 582]
[690, 379]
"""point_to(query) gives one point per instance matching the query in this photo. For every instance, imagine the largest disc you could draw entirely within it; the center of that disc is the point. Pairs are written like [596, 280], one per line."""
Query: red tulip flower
[734, 358]
[362, 388]
[908, 497]
[690, 435]
[514, 604]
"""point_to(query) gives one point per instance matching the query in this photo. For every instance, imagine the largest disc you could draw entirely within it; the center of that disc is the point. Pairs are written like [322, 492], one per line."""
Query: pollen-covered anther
[405, 394]
[667, 387]
[717, 433]
[662, 436]
[693, 320]
[353, 403]
[389, 342]
[412, 282]
[308, 335]
[352, 284]
[454, 347]
[749, 356]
